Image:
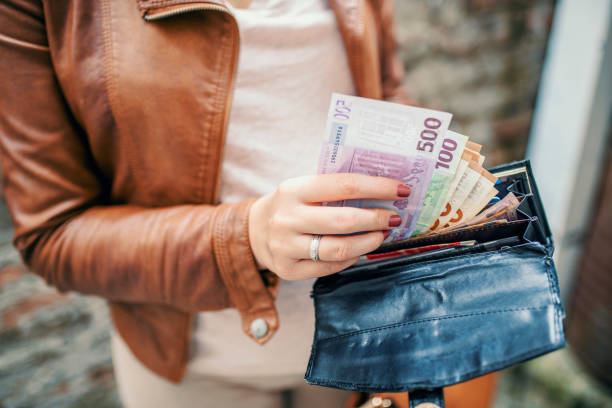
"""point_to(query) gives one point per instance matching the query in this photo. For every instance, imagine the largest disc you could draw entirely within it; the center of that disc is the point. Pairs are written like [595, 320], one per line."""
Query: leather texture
[111, 136]
[437, 322]
[427, 398]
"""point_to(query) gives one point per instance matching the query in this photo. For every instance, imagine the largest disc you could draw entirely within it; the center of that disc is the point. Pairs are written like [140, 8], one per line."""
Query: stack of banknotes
[450, 188]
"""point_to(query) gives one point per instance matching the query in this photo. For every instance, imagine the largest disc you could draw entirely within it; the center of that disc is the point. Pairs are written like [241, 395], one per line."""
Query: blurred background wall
[479, 59]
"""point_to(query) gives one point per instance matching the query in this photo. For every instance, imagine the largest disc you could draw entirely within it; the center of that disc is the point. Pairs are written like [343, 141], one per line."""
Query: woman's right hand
[282, 224]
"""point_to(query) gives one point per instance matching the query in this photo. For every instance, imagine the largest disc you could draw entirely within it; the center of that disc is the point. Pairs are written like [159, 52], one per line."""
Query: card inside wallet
[530, 225]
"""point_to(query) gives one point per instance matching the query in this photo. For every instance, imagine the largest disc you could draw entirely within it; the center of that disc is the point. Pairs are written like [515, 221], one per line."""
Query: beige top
[291, 60]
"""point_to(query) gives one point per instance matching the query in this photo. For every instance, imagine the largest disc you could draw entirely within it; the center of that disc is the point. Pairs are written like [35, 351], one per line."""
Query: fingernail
[386, 234]
[395, 221]
[403, 190]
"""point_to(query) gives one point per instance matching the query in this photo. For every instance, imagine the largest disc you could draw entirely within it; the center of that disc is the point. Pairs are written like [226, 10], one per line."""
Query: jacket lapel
[357, 26]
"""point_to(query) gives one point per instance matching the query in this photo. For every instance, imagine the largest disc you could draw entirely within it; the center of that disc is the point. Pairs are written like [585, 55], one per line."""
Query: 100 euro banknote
[384, 139]
[449, 157]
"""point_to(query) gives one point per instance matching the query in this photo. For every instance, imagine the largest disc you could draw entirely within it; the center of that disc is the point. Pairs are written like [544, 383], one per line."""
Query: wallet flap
[433, 324]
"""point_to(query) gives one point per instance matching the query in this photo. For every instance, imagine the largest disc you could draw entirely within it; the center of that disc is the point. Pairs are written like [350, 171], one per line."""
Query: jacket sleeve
[190, 257]
[392, 67]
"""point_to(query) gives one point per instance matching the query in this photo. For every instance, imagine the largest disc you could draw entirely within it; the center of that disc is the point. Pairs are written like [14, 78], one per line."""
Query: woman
[152, 153]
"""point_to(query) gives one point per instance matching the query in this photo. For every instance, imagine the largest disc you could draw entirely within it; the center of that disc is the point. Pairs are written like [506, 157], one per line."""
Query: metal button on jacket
[259, 328]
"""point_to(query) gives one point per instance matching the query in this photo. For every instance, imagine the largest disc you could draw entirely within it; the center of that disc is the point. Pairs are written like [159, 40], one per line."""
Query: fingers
[281, 224]
[344, 220]
[337, 248]
[345, 186]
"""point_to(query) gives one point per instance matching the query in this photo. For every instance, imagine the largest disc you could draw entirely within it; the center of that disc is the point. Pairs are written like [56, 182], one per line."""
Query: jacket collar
[351, 17]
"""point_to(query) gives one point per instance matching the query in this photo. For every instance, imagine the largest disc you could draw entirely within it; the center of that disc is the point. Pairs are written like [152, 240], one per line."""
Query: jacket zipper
[187, 8]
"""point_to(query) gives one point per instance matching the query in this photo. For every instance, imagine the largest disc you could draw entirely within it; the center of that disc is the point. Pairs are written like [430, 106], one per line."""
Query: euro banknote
[450, 152]
[384, 139]
[502, 211]
[482, 192]
[444, 169]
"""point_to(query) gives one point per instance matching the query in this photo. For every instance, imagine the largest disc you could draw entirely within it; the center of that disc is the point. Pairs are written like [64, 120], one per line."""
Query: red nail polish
[386, 234]
[395, 221]
[403, 190]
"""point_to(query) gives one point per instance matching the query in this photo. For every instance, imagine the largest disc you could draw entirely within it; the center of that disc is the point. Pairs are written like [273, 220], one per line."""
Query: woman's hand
[282, 224]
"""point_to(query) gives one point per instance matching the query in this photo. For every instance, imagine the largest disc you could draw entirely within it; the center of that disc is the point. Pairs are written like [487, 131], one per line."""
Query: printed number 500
[428, 135]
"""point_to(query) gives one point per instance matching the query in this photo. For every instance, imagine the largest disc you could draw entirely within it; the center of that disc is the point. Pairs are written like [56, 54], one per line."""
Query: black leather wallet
[422, 322]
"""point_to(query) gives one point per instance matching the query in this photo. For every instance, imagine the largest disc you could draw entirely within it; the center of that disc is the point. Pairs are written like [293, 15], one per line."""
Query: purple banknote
[379, 138]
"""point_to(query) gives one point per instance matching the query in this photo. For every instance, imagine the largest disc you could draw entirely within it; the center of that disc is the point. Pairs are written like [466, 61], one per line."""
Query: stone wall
[480, 60]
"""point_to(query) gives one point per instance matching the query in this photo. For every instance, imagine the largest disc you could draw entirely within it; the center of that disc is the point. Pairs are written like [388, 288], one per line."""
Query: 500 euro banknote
[384, 139]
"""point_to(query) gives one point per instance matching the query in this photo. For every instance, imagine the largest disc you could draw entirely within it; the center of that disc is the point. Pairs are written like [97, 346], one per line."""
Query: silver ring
[314, 247]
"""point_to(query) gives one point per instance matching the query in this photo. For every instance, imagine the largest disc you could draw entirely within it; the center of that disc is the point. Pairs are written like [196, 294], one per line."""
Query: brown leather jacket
[112, 122]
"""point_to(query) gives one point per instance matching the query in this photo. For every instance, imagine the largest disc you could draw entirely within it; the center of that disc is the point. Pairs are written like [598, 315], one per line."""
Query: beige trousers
[141, 388]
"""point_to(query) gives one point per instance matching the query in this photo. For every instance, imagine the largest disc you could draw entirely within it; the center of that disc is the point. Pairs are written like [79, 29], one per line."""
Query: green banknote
[449, 157]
